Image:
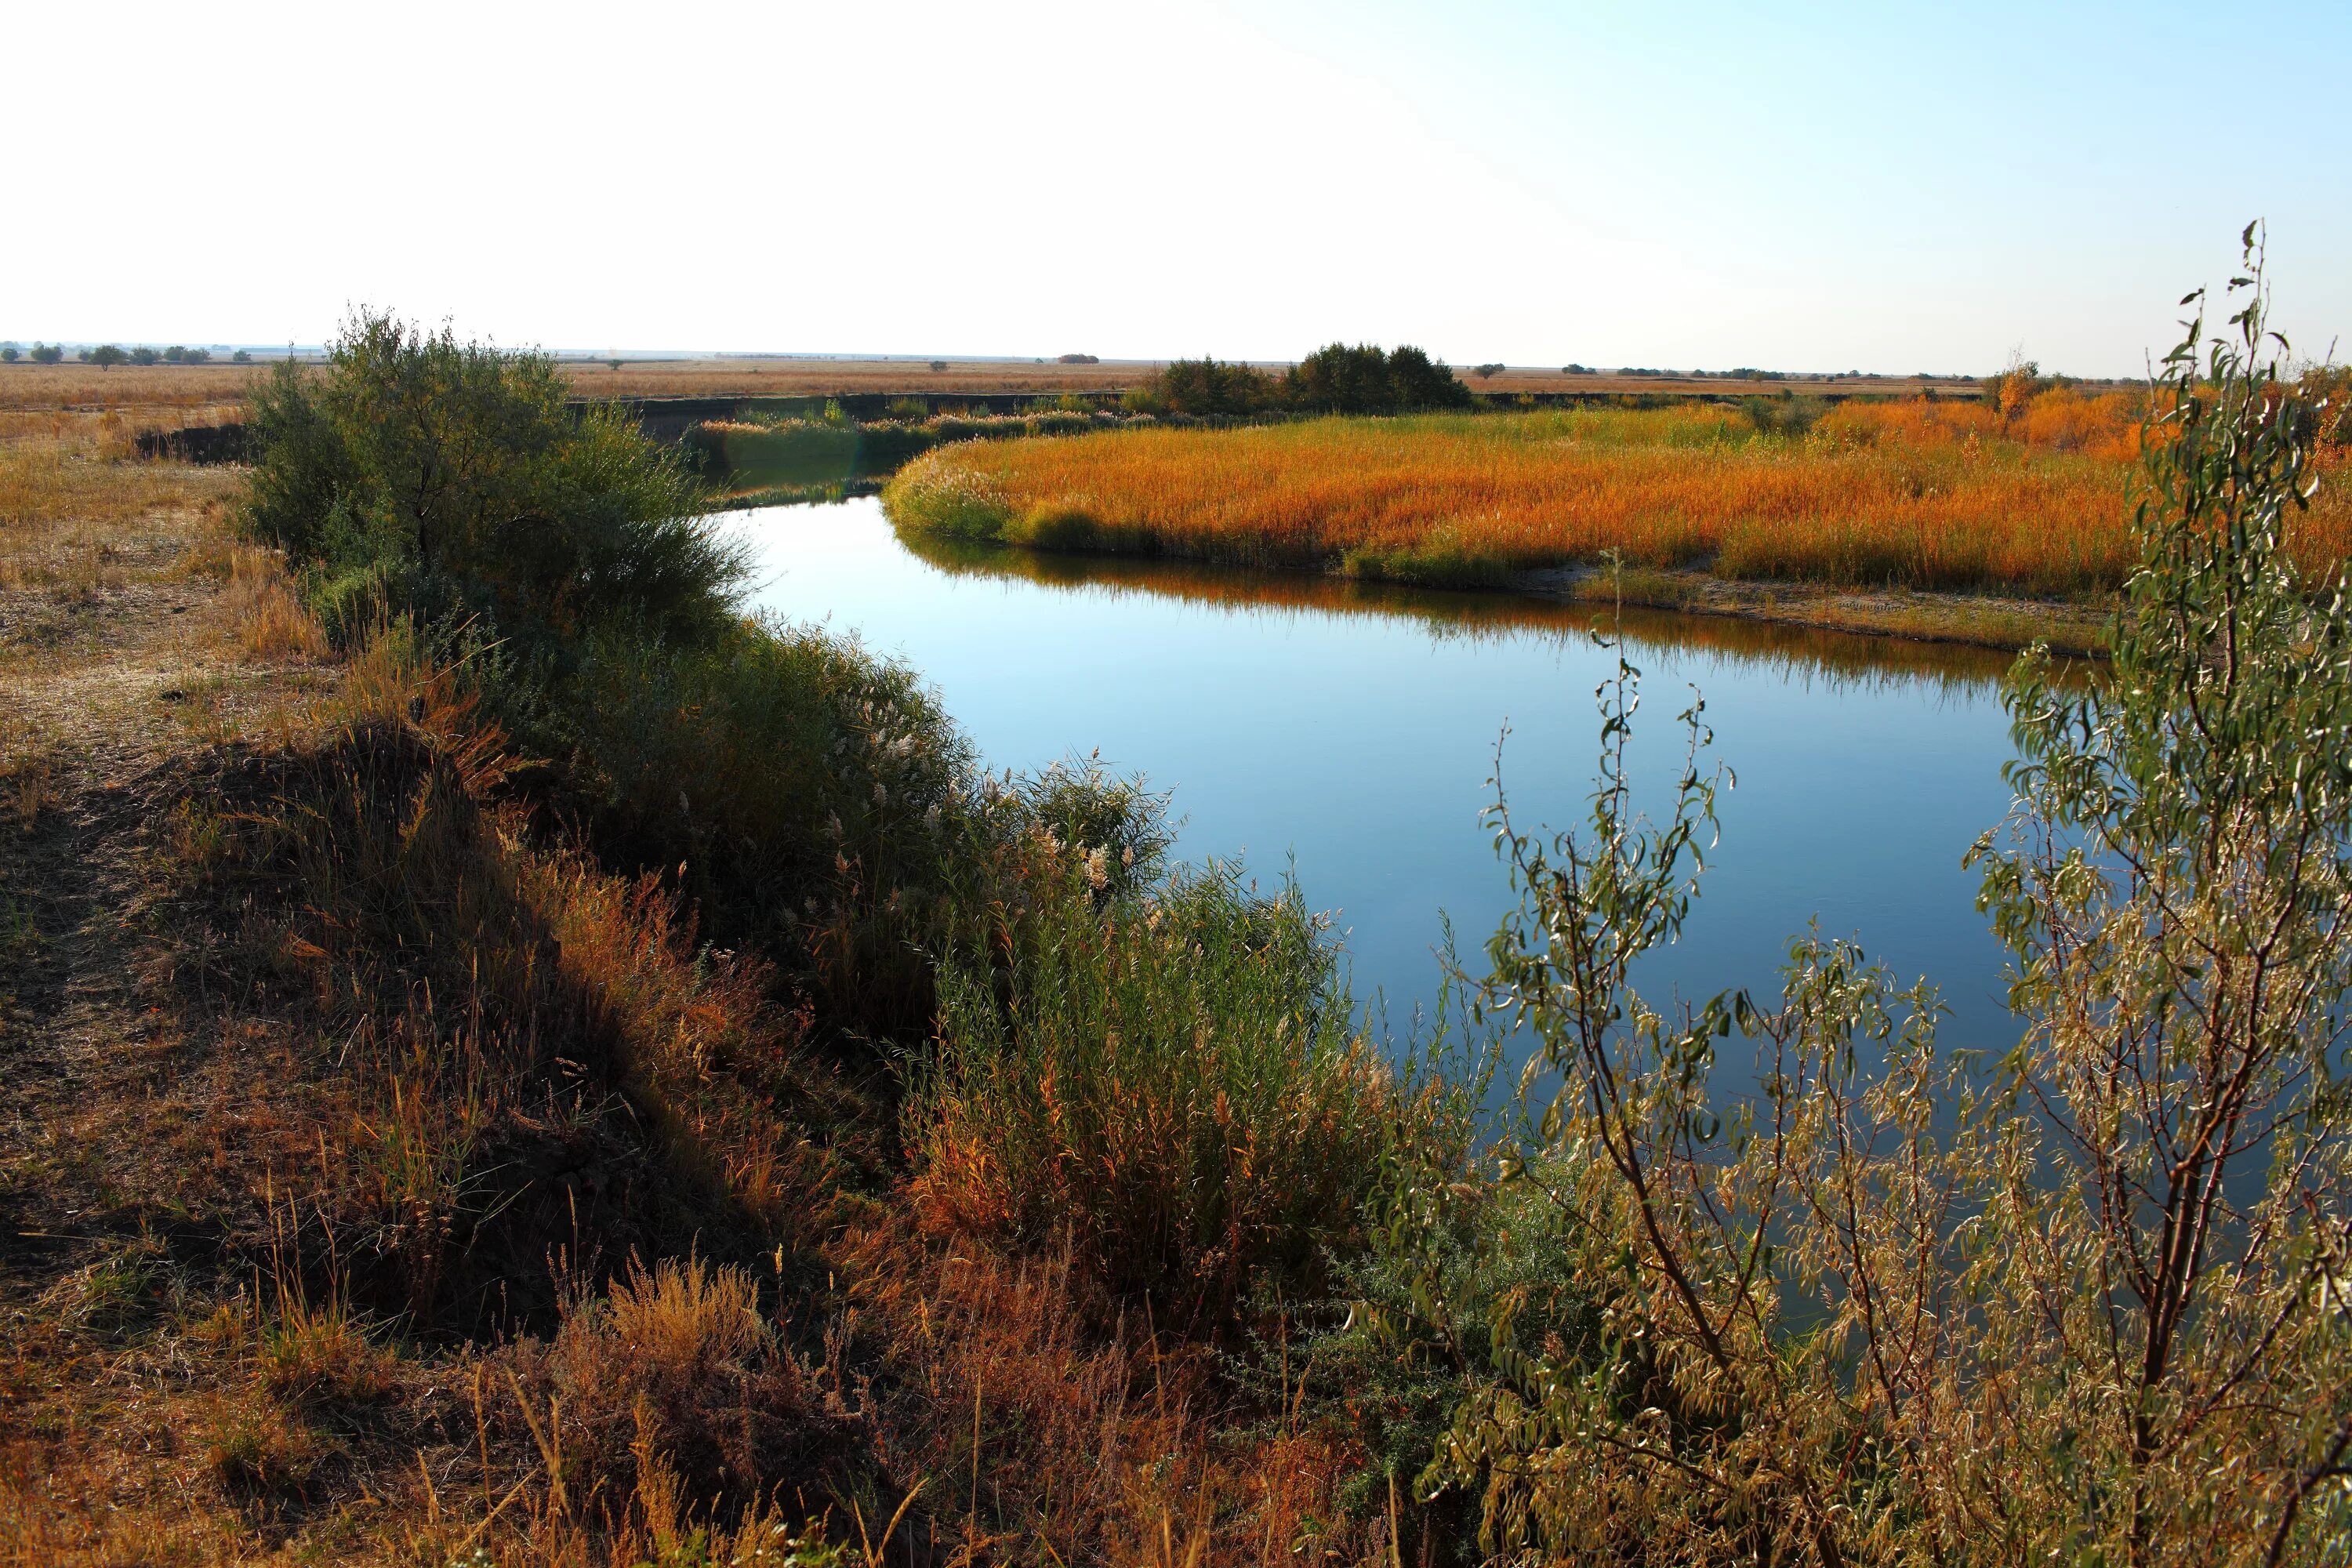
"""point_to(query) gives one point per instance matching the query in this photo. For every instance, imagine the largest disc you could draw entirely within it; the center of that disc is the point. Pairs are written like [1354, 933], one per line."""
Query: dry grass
[803, 377]
[271, 622]
[172, 396]
[1907, 496]
[75, 515]
[125, 388]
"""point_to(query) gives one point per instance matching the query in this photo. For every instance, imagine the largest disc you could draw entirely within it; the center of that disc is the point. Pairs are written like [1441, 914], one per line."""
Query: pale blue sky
[1803, 187]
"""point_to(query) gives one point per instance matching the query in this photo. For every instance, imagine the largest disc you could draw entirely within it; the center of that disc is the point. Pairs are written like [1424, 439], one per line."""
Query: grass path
[120, 667]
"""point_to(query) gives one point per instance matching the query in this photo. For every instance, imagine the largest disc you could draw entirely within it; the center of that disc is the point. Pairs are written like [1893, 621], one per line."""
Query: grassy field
[130, 389]
[1915, 496]
[133, 389]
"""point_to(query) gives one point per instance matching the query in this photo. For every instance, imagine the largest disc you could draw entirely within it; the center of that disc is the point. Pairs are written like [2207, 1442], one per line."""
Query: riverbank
[1973, 620]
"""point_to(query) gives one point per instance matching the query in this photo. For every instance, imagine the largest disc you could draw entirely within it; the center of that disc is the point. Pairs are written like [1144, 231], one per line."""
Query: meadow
[25, 386]
[1919, 495]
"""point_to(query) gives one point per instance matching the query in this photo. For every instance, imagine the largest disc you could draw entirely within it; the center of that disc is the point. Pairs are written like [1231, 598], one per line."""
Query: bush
[9, 354]
[1206, 386]
[106, 356]
[1172, 1081]
[240, 357]
[807, 794]
[47, 353]
[1786, 414]
[421, 476]
[1338, 379]
[143, 355]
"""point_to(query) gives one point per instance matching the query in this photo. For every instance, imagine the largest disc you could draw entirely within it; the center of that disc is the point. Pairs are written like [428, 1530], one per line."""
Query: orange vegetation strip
[1921, 494]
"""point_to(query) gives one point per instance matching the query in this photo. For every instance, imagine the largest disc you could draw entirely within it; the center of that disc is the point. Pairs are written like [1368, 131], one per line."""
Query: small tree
[2083, 1302]
[1488, 371]
[48, 353]
[240, 357]
[9, 354]
[106, 356]
[938, 365]
[145, 355]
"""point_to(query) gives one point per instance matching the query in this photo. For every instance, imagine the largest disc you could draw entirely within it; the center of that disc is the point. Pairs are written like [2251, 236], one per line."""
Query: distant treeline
[1337, 379]
[106, 356]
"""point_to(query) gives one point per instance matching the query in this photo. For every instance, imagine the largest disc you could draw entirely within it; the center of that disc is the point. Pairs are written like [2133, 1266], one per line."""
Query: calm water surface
[1350, 733]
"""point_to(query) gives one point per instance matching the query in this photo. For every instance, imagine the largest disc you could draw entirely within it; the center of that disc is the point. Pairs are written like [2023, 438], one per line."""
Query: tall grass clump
[2082, 1301]
[1173, 1083]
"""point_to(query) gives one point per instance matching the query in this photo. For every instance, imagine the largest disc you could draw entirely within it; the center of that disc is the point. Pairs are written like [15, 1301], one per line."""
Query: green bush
[809, 795]
[1173, 1083]
[1786, 414]
[1206, 386]
[1339, 379]
[453, 480]
[47, 353]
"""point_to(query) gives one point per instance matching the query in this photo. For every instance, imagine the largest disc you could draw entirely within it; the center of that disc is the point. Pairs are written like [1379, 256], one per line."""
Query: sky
[1889, 187]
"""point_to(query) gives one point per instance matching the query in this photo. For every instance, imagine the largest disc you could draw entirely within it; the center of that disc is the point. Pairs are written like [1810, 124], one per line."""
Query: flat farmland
[172, 393]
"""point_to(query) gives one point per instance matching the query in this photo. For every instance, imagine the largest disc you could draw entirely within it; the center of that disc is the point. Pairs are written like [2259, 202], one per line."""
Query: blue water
[1351, 735]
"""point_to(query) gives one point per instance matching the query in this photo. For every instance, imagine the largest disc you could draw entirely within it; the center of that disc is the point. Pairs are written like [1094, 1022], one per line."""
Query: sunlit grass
[1923, 496]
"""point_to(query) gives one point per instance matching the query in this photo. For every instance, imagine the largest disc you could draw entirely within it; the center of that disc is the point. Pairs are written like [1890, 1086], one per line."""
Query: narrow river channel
[1349, 734]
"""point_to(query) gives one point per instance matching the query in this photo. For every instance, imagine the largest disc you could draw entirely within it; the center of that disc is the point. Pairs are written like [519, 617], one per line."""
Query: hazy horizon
[1806, 189]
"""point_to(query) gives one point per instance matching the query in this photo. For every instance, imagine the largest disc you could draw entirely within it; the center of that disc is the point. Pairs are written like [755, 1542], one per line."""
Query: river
[1346, 734]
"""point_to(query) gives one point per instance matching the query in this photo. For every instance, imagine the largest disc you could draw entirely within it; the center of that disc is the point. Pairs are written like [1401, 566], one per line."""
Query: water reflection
[1349, 731]
[1795, 650]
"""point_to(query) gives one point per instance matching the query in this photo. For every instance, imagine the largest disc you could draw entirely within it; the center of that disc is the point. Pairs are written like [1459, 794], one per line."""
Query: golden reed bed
[1922, 495]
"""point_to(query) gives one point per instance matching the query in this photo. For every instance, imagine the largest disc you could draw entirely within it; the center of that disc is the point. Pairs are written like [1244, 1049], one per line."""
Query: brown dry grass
[169, 396]
[195, 394]
[410, 1090]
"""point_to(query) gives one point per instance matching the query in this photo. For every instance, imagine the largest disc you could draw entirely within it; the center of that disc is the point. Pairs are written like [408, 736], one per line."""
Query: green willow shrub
[450, 480]
[2082, 1303]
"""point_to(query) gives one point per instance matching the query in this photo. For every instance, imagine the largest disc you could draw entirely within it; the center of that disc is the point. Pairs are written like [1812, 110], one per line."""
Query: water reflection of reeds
[1801, 653]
